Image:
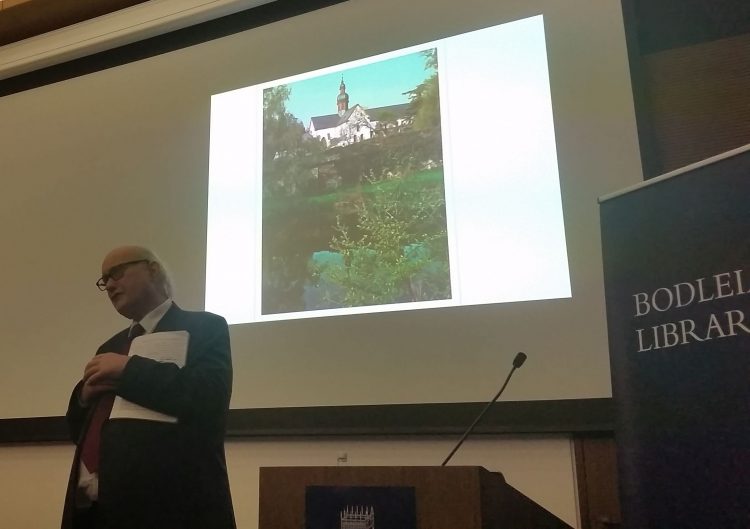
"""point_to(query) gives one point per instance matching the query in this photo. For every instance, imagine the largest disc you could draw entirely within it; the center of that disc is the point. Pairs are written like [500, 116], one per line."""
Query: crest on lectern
[360, 508]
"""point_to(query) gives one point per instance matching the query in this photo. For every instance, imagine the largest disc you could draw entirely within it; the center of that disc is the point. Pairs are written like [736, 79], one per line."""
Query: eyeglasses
[116, 272]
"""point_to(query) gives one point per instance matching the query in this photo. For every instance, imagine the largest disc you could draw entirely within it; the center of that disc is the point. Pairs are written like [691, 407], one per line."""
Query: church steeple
[342, 100]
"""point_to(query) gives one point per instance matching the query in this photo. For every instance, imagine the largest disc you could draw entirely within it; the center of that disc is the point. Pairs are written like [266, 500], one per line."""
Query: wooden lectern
[446, 497]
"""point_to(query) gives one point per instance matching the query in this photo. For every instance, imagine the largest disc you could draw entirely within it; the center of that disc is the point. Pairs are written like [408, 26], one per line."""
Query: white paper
[162, 347]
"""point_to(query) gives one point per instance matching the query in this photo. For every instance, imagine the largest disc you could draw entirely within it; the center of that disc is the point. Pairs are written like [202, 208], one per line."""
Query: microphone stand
[517, 362]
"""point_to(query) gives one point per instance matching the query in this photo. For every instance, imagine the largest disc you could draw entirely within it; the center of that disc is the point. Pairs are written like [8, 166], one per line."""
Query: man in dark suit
[134, 473]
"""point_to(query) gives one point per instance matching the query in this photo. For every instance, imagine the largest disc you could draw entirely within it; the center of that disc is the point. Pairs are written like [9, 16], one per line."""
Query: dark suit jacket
[164, 475]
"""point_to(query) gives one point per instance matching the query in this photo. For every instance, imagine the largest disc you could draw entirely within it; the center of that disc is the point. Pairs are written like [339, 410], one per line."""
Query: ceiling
[21, 19]
[660, 24]
[39, 35]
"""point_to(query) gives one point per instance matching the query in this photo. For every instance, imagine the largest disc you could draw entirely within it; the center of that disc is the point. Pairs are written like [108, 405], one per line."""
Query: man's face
[131, 283]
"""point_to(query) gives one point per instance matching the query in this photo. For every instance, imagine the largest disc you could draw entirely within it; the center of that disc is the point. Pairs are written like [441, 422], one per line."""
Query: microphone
[518, 361]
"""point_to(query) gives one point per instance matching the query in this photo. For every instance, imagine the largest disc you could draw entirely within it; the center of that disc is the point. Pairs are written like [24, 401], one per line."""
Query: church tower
[342, 101]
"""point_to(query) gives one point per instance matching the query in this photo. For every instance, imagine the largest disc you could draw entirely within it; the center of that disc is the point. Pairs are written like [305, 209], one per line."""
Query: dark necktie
[92, 439]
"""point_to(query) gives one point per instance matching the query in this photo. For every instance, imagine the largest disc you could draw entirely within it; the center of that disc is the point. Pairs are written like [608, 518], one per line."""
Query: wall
[34, 477]
[689, 63]
[698, 100]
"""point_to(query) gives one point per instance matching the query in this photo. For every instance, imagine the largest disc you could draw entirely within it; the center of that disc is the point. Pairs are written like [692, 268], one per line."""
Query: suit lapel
[171, 319]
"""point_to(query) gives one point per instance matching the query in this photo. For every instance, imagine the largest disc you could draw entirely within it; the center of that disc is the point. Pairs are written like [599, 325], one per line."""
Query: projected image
[353, 188]
[420, 178]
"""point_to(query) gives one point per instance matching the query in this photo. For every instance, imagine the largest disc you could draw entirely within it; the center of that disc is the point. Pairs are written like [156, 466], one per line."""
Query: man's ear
[159, 277]
[155, 269]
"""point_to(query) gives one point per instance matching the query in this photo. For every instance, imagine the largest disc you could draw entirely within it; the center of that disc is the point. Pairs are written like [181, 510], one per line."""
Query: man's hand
[102, 372]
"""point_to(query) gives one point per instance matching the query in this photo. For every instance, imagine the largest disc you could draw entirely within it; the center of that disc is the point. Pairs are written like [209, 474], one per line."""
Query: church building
[354, 124]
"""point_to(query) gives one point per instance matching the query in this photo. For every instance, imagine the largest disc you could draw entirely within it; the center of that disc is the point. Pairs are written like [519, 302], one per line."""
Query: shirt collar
[152, 319]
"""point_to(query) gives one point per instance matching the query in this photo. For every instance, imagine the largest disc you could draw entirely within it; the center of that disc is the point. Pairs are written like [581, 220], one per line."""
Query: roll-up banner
[676, 253]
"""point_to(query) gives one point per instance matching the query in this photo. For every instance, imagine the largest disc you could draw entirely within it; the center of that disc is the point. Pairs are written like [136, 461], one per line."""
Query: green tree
[425, 97]
[289, 154]
[289, 159]
[396, 249]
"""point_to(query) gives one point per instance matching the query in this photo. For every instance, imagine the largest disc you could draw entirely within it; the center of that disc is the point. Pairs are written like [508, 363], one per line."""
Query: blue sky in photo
[373, 85]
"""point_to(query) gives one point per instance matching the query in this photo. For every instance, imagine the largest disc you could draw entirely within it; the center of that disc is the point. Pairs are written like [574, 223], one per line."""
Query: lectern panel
[446, 497]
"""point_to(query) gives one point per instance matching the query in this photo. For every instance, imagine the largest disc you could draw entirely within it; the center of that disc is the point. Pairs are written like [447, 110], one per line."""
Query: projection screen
[535, 122]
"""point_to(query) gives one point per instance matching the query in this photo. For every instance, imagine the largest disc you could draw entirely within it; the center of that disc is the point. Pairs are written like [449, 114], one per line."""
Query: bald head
[135, 281]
